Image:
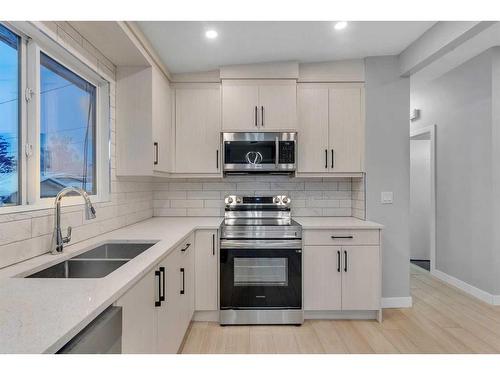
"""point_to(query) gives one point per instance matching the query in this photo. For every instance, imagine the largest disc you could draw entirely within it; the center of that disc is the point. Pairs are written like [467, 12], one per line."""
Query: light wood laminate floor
[442, 320]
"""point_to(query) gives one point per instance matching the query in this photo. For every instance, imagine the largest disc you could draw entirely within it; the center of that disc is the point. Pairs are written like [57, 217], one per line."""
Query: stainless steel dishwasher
[101, 336]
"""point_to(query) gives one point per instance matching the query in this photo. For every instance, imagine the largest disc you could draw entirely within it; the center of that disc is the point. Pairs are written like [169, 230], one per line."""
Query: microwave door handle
[277, 153]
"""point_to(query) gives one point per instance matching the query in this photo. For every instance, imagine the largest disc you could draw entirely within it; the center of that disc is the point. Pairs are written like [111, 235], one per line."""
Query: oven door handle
[260, 244]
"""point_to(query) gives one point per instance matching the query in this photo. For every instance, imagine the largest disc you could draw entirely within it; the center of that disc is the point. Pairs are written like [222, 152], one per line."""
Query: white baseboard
[467, 288]
[335, 315]
[396, 302]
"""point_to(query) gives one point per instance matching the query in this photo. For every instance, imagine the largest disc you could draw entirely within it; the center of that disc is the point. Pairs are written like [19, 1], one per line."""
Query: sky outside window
[9, 117]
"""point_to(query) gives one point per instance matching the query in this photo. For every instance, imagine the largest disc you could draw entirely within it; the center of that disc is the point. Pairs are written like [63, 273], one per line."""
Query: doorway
[422, 198]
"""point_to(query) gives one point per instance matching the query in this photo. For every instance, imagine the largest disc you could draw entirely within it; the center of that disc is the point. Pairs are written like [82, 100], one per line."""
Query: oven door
[260, 278]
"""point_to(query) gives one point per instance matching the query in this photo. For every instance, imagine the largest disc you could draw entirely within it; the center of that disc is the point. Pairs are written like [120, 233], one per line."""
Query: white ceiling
[182, 45]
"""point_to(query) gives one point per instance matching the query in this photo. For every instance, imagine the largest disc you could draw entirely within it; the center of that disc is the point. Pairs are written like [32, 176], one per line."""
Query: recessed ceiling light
[340, 25]
[211, 34]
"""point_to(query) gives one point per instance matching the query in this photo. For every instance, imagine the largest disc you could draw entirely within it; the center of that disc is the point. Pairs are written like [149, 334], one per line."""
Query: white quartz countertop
[41, 315]
[318, 222]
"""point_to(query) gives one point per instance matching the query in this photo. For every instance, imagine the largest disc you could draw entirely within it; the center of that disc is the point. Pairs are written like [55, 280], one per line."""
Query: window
[67, 129]
[9, 117]
[54, 122]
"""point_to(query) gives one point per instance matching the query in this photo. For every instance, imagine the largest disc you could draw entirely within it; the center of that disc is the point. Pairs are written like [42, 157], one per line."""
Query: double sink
[94, 263]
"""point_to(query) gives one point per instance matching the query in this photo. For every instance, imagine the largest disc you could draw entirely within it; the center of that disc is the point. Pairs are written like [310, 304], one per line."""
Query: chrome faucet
[58, 240]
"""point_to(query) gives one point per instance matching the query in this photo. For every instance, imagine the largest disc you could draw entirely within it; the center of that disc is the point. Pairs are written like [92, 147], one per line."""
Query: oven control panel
[278, 201]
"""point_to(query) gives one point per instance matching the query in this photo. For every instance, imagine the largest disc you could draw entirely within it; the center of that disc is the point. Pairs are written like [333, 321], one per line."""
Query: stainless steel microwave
[259, 152]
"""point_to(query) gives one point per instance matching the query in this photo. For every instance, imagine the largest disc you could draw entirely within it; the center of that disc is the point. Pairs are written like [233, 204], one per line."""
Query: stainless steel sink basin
[74, 269]
[115, 250]
[94, 263]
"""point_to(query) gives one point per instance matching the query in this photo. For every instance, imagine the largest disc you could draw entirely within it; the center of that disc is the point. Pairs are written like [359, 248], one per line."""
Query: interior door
[322, 278]
[197, 130]
[361, 278]
[313, 129]
[240, 102]
[278, 105]
[346, 129]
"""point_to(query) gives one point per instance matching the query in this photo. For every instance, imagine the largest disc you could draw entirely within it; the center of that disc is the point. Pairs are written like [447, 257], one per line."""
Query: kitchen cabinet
[139, 316]
[340, 273]
[206, 270]
[322, 282]
[259, 105]
[143, 112]
[158, 309]
[331, 128]
[197, 129]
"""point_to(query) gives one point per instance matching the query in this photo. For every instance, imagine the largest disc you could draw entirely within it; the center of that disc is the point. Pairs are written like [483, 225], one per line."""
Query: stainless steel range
[260, 262]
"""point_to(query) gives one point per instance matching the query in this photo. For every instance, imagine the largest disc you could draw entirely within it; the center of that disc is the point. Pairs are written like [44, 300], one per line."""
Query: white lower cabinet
[341, 277]
[158, 309]
[206, 270]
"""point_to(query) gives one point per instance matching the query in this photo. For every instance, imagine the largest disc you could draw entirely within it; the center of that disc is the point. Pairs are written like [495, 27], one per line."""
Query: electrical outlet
[386, 197]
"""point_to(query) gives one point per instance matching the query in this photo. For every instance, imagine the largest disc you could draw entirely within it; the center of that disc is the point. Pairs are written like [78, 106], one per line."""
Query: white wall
[420, 198]
[388, 167]
[460, 104]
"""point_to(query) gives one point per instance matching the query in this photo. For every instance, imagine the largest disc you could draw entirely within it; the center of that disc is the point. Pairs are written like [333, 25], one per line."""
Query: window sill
[48, 203]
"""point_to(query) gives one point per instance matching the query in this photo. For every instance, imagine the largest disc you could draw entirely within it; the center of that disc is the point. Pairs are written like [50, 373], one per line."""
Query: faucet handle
[68, 236]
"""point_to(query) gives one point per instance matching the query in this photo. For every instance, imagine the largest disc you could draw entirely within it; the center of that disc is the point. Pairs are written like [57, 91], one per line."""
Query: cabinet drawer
[341, 237]
[186, 246]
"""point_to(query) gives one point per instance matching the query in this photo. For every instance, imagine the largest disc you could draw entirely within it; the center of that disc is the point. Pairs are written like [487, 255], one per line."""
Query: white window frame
[31, 47]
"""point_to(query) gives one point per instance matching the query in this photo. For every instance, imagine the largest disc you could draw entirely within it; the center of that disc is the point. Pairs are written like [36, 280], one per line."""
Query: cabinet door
[197, 130]
[346, 129]
[278, 105]
[361, 278]
[206, 275]
[169, 314]
[239, 103]
[322, 279]
[313, 129]
[139, 316]
[162, 108]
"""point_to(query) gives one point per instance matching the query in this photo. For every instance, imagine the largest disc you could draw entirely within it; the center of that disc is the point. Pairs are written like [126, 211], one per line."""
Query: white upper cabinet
[331, 128]
[313, 129]
[144, 121]
[259, 105]
[197, 129]
[346, 129]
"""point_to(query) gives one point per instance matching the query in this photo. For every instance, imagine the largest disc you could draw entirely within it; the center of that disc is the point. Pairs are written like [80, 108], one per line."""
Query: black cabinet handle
[217, 159]
[162, 276]
[262, 116]
[333, 158]
[187, 247]
[326, 159]
[213, 244]
[340, 237]
[256, 115]
[345, 261]
[338, 261]
[155, 145]
[158, 303]
[183, 281]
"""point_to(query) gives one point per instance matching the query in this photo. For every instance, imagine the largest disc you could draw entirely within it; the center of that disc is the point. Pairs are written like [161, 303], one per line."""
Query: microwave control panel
[286, 152]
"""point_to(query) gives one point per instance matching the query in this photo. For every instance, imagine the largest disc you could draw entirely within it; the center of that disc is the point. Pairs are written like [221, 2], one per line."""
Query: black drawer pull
[183, 281]
[155, 145]
[345, 261]
[187, 247]
[338, 261]
[162, 274]
[213, 244]
[342, 237]
[158, 303]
